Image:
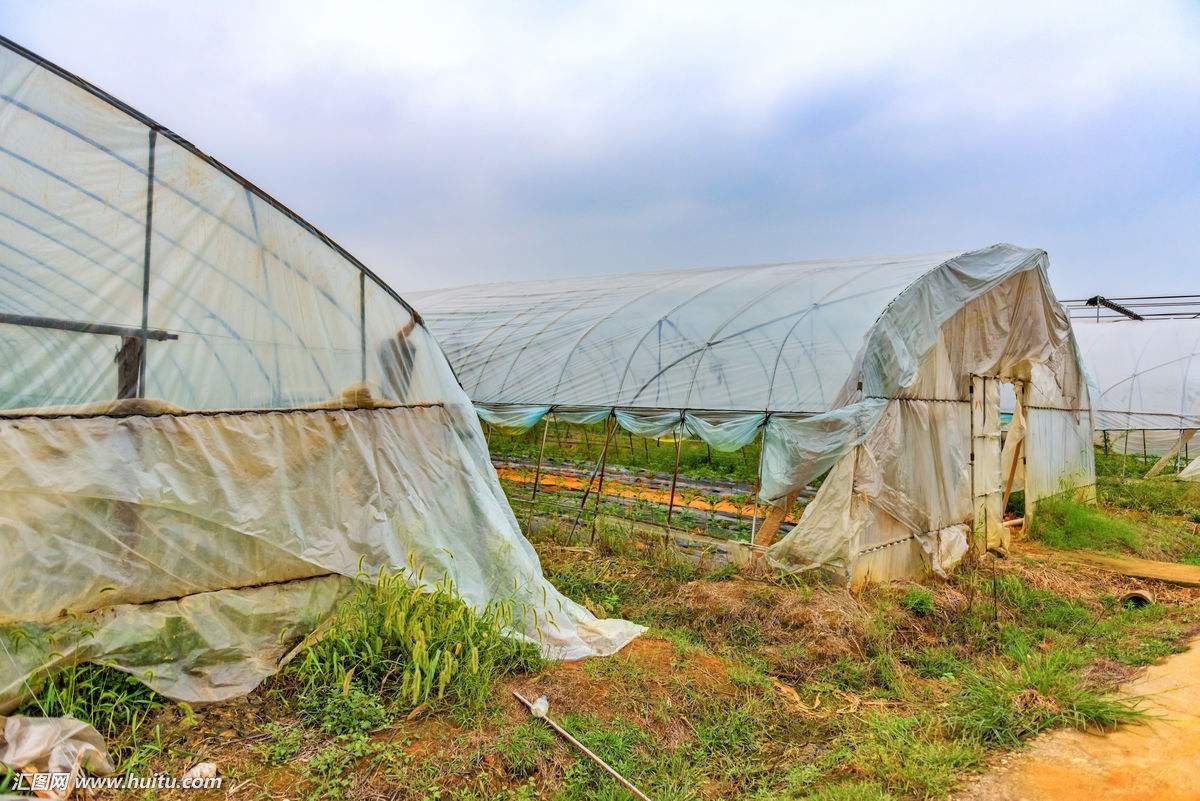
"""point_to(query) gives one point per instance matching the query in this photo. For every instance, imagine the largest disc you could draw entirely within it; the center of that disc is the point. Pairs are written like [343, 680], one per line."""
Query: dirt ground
[1156, 760]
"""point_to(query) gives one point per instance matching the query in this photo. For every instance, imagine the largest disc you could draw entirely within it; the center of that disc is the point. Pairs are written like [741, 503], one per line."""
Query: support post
[1180, 443]
[362, 327]
[611, 425]
[537, 473]
[674, 476]
[775, 518]
[1012, 474]
[140, 383]
[762, 447]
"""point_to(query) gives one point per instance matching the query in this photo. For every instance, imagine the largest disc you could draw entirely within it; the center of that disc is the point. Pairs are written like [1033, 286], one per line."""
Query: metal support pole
[674, 476]
[141, 367]
[611, 425]
[362, 327]
[587, 491]
[537, 473]
[762, 447]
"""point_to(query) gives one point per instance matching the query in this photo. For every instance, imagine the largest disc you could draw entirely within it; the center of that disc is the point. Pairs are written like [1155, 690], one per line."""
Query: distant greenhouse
[212, 417]
[1147, 374]
[885, 372]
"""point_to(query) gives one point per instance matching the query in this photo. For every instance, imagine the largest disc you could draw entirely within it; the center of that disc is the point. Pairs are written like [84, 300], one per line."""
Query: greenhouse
[1148, 377]
[883, 373]
[213, 418]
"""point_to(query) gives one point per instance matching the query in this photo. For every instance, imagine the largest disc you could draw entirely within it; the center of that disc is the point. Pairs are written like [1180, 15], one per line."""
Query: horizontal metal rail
[106, 329]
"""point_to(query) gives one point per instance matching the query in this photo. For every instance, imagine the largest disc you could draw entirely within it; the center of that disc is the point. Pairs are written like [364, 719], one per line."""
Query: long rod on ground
[537, 474]
[566, 735]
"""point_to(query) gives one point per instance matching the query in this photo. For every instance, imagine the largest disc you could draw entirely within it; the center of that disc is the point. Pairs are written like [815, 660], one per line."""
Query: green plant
[116, 703]
[907, 755]
[918, 600]
[1062, 522]
[424, 645]
[1002, 705]
[521, 750]
[283, 743]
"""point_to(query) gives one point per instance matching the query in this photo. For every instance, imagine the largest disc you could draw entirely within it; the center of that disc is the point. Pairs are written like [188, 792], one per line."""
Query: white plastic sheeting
[850, 366]
[781, 337]
[1148, 378]
[211, 415]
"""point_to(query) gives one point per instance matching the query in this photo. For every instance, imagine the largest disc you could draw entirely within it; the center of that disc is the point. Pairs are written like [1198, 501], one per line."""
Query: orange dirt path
[1156, 760]
[683, 497]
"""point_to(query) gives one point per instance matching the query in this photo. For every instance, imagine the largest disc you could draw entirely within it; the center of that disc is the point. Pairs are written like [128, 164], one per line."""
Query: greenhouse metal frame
[827, 359]
[213, 418]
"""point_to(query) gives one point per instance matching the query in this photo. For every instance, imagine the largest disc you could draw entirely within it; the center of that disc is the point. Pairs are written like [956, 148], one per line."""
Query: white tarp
[285, 420]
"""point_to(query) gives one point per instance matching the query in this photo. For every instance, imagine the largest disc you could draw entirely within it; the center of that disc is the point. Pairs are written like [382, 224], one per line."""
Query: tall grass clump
[390, 640]
[1003, 705]
[1062, 522]
[1163, 495]
[115, 703]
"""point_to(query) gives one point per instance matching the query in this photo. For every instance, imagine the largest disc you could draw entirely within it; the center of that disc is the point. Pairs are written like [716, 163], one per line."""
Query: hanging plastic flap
[650, 424]
[1191, 472]
[141, 508]
[724, 431]
[581, 417]
[944, 548]
[1011, 461]
[205, 647]
[511, 418]
[798, 449]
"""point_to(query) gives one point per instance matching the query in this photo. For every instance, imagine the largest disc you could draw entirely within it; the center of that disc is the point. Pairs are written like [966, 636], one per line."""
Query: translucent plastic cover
[861, 367]
[1147, 372]
[210, 414]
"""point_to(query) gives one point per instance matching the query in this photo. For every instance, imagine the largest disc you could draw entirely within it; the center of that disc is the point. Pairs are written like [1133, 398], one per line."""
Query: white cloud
[556, 138]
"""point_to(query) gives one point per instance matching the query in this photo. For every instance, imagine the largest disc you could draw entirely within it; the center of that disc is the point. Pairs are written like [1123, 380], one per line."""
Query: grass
[1003, 705]
[421, 647]
[751, 687]
[115, 703]
[1062, 522]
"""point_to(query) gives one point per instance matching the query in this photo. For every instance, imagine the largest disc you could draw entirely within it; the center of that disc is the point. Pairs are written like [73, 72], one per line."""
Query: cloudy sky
[448, 143]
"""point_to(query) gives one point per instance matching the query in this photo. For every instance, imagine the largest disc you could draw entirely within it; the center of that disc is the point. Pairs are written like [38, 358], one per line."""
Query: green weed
[424, 646]
[114, 702]
[918, 600]
[1002, 705]
[1064, 523]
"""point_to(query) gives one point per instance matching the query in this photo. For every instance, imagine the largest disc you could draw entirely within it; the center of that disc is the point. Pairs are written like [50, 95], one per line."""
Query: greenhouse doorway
[997, 460]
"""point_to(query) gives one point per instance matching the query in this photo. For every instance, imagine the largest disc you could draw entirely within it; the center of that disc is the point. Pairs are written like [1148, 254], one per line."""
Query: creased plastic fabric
[1191, 472]
[52, 745]
[137, 509]
[798, 449]
[911, 477]
[724, 431]
[583, 417]
[142, 282]
[650, 424]
[512, 418]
